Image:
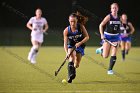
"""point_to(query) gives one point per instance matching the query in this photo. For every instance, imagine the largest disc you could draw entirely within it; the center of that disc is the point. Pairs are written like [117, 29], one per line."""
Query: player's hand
[102, 37]
[125, 35]
[67, 56]
[43, 31]
[77, 44]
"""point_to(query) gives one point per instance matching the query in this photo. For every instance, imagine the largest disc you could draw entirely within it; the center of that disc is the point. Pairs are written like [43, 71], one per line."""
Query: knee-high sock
[112, 62]
[71, 69]
[126, 51]
[123, 54]
[33, 52]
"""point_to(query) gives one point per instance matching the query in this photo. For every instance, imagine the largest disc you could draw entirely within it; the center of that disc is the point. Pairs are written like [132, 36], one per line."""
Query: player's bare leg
[106, 50]
[123, 50]
[77, 60]
[127, 47]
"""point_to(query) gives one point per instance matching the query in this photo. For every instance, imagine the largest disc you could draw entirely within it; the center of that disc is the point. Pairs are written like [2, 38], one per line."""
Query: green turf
[17, 75]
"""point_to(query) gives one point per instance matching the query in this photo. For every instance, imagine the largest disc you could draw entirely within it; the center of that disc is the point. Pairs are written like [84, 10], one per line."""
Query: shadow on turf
[134, 73]
[105, 67]
[124, 78]
[133, 59]
[109, 82]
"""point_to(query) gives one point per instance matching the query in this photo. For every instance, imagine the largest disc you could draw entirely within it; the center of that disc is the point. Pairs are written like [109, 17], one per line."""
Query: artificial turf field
[17, 75]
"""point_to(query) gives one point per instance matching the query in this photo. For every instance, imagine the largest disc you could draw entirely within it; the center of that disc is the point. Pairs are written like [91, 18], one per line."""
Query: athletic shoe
[123, 60]
[99, 50]
[110, 72]
[72, 76]
[33, 60]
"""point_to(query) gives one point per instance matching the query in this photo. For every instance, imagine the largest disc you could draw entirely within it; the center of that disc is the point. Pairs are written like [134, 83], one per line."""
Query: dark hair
[114, 4]
[73, 15]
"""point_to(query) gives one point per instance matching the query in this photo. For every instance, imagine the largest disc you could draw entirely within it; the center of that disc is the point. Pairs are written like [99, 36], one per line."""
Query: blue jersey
[113, 26]
[75, 37]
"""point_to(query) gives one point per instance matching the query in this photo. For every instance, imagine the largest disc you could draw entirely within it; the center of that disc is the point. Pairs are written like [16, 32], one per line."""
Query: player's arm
[29, 25]
[65, 33]
[86, 36]
[132, 29]
[46, 27]
[102, 24]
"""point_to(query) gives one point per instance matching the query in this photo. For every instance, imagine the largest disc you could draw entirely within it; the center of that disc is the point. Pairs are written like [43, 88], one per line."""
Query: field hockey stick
[17, 12]
[115, 45]
[57, 71]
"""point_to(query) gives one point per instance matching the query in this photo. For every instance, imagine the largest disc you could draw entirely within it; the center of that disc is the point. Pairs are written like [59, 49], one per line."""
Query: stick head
[56, 73]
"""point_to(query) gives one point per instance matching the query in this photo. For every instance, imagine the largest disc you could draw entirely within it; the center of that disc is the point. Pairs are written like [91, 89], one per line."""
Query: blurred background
[14, 14]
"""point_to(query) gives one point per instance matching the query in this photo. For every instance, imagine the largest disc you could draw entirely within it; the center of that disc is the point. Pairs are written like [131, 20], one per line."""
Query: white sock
[34, 57]
[31, 53]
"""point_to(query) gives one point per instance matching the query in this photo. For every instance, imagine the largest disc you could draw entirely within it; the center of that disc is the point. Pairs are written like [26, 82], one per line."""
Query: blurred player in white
[38, 25]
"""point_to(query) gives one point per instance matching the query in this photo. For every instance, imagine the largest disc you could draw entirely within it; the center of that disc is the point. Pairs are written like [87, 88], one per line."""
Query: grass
[17, 75]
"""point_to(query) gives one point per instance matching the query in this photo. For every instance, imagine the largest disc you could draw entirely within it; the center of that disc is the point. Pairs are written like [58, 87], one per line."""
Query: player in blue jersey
[111, 33]
[75, 35]
[127, 30]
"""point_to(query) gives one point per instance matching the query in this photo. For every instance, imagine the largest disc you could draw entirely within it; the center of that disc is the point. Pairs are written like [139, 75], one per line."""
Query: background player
[38, 25]
[75, 35]
[111, 33]
[127, 30]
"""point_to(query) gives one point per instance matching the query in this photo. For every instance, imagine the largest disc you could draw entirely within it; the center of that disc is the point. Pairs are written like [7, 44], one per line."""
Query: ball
[64, 81]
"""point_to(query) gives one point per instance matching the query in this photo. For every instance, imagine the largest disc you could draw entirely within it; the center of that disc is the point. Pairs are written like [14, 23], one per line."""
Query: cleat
[99, 50]
[33, 61]
[72, 76]
[110, 72]
[123, 60]
[69, 80]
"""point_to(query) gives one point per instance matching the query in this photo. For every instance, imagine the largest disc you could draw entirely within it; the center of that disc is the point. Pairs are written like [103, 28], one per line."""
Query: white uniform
[37, 32]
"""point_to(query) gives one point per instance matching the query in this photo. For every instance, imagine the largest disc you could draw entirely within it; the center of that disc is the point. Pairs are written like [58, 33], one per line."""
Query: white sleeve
[45, 21]
[31, 20]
